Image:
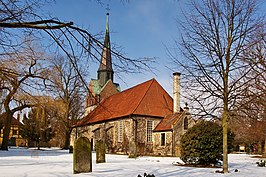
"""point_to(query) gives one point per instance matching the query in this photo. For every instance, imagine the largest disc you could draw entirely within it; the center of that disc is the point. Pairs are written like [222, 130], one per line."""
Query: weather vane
[107, 9]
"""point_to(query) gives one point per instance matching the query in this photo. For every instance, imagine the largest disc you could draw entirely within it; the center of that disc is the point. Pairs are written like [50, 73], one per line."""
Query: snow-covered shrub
[203, 144]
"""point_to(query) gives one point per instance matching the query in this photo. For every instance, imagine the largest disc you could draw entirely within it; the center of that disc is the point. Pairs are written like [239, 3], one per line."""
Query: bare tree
[251, 109]
[68, 88]
[37, 126]
[215, 34]
[20, 73]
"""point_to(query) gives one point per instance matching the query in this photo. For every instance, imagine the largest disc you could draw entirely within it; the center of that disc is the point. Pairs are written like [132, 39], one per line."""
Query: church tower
[104, 85]
[105, 71]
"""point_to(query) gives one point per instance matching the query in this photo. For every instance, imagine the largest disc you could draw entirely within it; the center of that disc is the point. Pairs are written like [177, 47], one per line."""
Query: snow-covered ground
[54, 162]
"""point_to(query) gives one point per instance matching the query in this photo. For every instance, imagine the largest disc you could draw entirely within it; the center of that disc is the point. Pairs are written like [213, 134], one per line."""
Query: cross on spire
[107, 9]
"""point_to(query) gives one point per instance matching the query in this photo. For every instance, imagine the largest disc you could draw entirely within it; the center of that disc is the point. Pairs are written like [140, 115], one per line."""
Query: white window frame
[149, 131]
[120, 131]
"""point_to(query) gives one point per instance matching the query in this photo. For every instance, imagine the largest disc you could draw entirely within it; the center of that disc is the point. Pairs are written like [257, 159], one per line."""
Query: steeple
[105, 71]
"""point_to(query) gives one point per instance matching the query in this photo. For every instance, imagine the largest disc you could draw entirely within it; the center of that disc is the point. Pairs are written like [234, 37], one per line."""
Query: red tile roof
[167, 122]
[146, 99]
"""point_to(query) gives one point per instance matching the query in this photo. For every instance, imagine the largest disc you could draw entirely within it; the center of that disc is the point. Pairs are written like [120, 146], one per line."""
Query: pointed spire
[107, 36]
[105, 71]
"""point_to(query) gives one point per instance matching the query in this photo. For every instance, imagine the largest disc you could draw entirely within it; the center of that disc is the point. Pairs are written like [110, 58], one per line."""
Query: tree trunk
[67, 139]
[4, 145]
[260, 151]
[38, 144]
[225, 118]
[225, 148]
[264, 153]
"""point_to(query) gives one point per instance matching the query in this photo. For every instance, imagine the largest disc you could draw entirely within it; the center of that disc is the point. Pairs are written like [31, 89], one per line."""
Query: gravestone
[100, 151]
[132, 150]
[82, 160]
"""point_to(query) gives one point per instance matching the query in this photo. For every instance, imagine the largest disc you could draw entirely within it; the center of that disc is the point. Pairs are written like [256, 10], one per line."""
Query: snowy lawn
[54, 162]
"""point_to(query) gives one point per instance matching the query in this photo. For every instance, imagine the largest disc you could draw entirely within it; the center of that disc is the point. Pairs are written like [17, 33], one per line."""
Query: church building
[141, 120]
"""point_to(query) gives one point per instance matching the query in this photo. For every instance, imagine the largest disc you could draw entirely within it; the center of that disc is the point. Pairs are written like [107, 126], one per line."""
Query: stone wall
[118, 146]
[172, 138]
[134, 131]
[135, 127]
[88, 132]
[165, 150]
[178, 131]
[144, 147]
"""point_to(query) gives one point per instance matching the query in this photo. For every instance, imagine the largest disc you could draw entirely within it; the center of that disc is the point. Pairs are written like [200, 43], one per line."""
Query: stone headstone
[132, 150]
[100, 151]
[82, 160]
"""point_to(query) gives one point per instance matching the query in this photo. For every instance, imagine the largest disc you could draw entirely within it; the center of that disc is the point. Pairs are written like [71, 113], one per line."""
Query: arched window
[185, 123]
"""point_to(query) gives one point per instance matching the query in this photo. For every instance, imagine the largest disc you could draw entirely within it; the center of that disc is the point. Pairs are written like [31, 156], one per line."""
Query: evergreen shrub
[202, 144]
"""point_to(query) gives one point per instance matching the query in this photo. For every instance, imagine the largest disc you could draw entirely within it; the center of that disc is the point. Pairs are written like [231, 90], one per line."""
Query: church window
[149, 130]
[162, 139]
[120, 131]
[185, 123]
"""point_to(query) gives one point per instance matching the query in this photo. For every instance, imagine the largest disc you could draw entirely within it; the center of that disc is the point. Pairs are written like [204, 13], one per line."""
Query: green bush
[203, 144]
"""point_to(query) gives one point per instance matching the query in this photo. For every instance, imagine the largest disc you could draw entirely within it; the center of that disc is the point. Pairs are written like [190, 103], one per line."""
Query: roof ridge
[152, 80]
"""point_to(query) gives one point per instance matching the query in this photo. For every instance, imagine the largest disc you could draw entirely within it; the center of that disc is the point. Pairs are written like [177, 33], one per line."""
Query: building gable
[108, 89]
[147, 99]
[167, 122]
[156, 102]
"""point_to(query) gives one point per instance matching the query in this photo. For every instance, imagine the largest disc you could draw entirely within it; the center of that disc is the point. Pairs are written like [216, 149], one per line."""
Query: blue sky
[141, 27]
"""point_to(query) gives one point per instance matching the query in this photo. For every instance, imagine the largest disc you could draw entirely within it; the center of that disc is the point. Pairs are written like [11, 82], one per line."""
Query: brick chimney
[176, 93]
